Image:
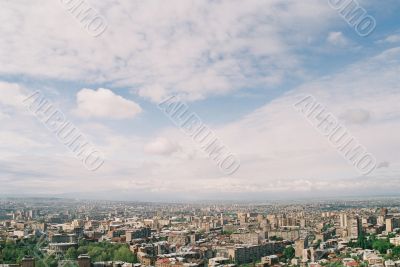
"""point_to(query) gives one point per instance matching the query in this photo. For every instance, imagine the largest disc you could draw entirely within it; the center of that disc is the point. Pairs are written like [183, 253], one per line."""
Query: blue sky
[239, 65]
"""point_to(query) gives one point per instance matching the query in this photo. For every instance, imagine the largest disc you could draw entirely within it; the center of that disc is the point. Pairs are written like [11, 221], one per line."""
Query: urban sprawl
[43, 232]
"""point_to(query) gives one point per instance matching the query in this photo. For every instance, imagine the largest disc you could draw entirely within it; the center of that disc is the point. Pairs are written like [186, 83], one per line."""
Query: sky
[240, 66]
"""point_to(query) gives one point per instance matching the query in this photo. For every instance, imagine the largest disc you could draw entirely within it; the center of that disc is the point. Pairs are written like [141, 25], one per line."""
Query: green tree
[227, 232]
[289, 252]
[49, 261]
[71, 254]
[391, 235]
[382, 245]
[124, 254]
[396, 252]
[82, 250]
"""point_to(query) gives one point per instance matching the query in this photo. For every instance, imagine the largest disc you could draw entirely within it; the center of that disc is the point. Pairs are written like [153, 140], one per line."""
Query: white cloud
[154, 92]
[4, 116]
[103, 103]
[337, 39]
[12, 140]
[161, 146]
[394, 38]
[197, 48]
[280, 152]
[12, 94]
[357, 116]
[383, 164]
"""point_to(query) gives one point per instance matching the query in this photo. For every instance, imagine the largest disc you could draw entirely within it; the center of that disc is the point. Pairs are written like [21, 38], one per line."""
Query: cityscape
[70, 232]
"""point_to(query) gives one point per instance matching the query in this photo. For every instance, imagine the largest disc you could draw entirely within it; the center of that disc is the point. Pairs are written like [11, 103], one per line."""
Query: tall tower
[354, 227]
[300, 246]
[389, 225]
[343, 220]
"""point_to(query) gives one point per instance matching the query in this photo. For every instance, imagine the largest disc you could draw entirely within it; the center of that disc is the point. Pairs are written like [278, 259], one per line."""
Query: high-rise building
[300, 245]
[354, 227]
[389, 224]
[143, 232]
[343, 220]
[381, 219]
[248, 253]
[242, 217]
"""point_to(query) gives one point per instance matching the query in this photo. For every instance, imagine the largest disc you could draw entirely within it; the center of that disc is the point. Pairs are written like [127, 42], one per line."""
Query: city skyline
[91, 233]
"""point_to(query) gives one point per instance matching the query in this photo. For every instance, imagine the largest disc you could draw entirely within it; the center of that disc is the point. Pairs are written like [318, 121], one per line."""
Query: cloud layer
[195, 49]
[262, 56]
[103, 103]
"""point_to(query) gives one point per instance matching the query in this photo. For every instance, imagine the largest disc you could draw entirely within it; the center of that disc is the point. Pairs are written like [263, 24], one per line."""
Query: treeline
[103, 251]
[380, 244]
[13, 252]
